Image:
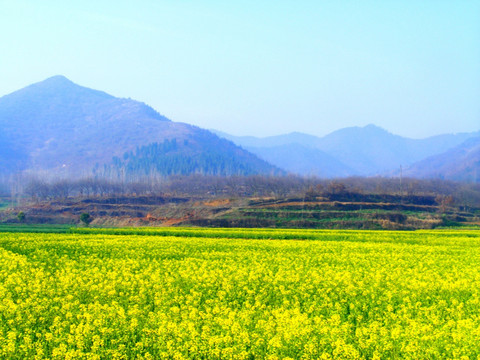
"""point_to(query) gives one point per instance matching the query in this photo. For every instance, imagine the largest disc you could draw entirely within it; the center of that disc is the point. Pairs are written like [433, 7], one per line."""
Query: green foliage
[21, 216]
[35, 228]
[86, 218]
[208, 156]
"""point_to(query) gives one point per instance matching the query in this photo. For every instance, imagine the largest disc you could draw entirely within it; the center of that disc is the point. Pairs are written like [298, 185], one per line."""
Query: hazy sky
[260, 67]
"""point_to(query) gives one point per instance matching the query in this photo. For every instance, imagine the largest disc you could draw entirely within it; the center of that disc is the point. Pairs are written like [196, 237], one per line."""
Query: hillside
[299, 159]
[59, 127]
[327, 211]
[358, 151]
[462, 163]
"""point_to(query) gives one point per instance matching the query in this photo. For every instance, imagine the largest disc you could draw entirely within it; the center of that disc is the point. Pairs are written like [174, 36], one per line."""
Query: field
[189, 293]
[352, 211]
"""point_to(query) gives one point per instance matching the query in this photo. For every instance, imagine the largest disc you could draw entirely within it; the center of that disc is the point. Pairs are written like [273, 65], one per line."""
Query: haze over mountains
[59, 128]
[360, 151]
[461, 163]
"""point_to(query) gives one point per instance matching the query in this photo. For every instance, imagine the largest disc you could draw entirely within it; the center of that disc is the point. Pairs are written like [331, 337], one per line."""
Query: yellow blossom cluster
[202, 294]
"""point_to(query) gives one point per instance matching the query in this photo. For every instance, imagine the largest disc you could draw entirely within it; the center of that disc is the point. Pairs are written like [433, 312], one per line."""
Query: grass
[36, 228]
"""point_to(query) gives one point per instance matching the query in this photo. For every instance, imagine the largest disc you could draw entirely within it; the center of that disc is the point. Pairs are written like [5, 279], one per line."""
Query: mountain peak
[55, 82]
[372, 128]
[369, 130]
[58, 79]
[58, 87]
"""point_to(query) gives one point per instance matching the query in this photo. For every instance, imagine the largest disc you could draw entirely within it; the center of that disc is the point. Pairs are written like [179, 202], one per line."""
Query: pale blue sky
[260, 67]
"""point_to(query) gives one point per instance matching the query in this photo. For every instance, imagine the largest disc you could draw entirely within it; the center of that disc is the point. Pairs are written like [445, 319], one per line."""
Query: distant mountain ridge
[461, 163]
[58, 127]
[303, 160]
[354, 151]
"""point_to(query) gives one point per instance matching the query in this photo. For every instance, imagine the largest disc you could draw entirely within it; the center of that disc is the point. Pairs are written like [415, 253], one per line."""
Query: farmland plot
[240, 294]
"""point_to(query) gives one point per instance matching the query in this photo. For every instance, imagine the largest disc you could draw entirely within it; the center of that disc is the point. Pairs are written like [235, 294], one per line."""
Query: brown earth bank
[333, 212]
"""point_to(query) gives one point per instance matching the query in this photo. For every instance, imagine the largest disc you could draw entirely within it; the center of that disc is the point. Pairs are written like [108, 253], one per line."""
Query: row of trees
[243, 186]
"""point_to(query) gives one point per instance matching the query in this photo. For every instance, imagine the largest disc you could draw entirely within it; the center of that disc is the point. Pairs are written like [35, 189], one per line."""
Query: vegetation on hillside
[56, 128]
[205, 156]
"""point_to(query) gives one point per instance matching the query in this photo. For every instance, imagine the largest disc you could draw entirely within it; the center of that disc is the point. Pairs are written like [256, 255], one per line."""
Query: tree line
[168, 158]
[205, 186]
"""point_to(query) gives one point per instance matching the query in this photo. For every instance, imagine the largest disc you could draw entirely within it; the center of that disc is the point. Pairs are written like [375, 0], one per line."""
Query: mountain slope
[371, 150]
[271, 141]
[205, 153]
[462, 163]
[368, 150]
[60, 127]
[298, 159]
[364, 151]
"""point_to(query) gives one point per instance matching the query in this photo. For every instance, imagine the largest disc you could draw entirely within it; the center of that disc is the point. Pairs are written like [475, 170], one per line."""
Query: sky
[260, 67]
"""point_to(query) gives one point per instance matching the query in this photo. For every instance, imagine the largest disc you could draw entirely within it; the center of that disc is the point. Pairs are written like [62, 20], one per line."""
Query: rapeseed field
[240, 294]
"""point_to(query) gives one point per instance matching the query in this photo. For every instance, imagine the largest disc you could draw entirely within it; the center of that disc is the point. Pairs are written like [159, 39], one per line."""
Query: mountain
[371, 150]
[368, 150]
[298, 159]
[461, 163]
[362, 151]
[59, 127]
[271, 141]
[295, 152]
